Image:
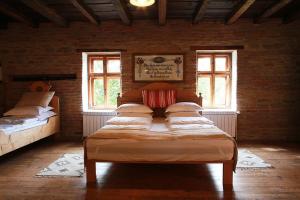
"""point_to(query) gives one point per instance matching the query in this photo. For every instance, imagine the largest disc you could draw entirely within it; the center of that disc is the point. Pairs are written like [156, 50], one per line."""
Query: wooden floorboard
[128, 181]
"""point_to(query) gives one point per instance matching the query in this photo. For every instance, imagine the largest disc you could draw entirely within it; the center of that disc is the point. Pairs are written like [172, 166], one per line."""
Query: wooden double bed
[161, 150]
[21, 138]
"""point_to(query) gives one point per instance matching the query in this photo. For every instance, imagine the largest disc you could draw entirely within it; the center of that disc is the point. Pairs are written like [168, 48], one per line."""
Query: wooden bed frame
[135, 96]
[39, 132]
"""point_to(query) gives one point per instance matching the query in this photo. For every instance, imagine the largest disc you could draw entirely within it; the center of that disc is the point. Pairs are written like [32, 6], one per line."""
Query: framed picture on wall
[158, 67]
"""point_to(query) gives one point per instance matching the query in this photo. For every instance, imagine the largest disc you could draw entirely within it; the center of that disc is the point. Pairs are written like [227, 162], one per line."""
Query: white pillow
[184, 114]
[135, 115]
[184, 107]
[133, 108]
[36, 99]
[46, 115]
[27, 111]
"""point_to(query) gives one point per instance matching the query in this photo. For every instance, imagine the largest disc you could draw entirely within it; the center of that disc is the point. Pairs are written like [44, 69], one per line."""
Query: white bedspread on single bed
[161, 142]
[14, 120]
[14, 126]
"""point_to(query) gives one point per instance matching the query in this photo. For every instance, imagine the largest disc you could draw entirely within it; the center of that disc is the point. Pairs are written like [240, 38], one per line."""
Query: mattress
[161, 144]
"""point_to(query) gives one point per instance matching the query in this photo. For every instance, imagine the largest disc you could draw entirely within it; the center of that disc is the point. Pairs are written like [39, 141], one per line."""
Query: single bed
[160, 144]
[20, 135]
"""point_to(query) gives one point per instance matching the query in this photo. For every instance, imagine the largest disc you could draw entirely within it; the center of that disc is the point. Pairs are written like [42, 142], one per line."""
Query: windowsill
[219, 110]
[99, 112]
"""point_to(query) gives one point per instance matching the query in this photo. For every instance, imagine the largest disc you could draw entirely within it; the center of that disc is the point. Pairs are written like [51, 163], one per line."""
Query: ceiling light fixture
[142, 3]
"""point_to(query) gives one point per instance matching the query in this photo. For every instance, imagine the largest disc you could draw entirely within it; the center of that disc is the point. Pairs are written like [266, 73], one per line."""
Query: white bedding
[189, 120]
[129, 121]
[14, 120]
[161, 142]
[9, 129]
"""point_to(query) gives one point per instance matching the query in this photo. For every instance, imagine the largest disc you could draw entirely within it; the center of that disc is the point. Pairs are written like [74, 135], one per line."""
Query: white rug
[66, 165]
[72, 164]
[247, 159]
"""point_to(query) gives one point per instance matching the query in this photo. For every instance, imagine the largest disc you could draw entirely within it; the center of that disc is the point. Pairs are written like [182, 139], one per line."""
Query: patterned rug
[71, 165]
[66, 165]
[247, 160]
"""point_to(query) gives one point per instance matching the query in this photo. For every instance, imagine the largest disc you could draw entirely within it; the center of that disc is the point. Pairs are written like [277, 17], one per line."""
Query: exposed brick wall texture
[268, 67]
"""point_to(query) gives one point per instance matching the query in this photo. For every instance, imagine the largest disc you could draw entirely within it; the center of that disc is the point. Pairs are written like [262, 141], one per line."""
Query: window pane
[98, 92]
[220, 91]
[220, 63]
[113, 88]
[97, 66]
[204, 88]
[204, 64]
[113, 66]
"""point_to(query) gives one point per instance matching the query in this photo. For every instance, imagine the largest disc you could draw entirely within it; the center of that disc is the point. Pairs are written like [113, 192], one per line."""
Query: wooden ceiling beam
[85, 11]
[272, 10]
[122, 9]
[3, 25]
[200, 11]
[162, 12]
[239, 10]
[291, 16]
[12, 12]
[40, 7]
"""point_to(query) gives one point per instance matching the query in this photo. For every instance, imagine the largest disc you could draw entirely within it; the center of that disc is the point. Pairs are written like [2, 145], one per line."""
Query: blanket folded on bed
[16, 120]
[129, 121]
[189, 120]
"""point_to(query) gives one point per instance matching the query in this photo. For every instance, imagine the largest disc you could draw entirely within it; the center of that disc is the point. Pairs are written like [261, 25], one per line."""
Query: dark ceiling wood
[85, 11]
[290, 17]
[227, 11]
[239, 10]
[162, 12]
[40, 7]
[272, 10]
[14, 13]
[123, 11]
[3, 25]
[200, 11]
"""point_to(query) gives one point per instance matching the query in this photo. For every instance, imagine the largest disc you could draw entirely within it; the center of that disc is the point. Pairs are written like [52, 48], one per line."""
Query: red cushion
[159, 98]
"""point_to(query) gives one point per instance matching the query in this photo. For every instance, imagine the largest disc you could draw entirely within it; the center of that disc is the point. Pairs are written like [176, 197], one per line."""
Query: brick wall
[268, 67]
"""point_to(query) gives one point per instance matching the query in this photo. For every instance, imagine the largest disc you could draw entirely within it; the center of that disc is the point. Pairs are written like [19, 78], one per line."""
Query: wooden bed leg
[227, 174]
[84, 153]
[91, 172]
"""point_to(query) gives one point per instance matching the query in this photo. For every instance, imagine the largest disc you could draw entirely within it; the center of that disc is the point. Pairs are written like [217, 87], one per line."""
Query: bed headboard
[40, 86]
[135, 95]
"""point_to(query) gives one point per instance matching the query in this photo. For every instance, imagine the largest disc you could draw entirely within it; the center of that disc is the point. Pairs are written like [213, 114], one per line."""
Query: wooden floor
[18, 181]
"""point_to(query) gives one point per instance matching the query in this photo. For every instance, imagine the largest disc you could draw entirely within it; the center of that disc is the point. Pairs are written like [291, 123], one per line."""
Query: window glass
[220, 91]
[204, 87]
[97, 66]
[113, 66]
[204, 64]
[98, 92]
[220, 63]
[113, 88]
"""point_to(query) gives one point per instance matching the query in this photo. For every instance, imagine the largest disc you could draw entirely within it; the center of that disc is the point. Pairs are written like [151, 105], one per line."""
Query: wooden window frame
[213, 74]
[105, 75]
